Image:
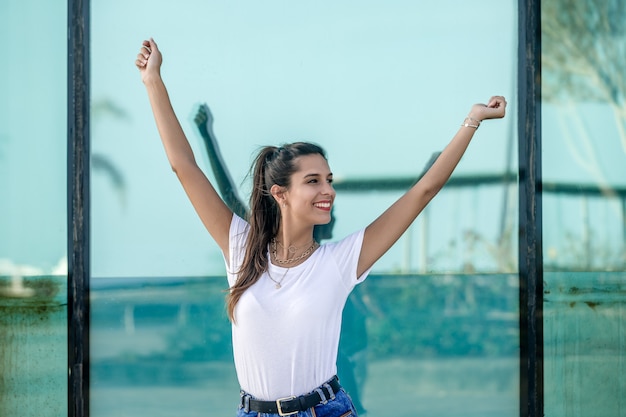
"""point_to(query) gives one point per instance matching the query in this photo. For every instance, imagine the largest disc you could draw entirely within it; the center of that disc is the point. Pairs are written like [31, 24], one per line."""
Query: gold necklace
[277, 284]
[291, 249]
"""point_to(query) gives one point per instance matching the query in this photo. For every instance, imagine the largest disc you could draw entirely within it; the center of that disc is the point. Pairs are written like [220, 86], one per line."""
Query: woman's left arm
[383, 232]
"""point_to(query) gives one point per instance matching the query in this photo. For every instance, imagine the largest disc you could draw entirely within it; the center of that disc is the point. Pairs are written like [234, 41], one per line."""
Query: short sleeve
[237, 237]
[346, 253]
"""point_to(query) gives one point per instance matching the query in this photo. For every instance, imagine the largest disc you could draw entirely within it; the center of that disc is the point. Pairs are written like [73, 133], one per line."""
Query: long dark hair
[273, 165]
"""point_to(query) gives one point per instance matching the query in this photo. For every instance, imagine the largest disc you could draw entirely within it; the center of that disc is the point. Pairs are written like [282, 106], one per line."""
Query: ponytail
[272, 166]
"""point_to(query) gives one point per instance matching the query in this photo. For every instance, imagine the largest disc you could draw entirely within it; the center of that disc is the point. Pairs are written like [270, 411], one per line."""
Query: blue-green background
[381, 86]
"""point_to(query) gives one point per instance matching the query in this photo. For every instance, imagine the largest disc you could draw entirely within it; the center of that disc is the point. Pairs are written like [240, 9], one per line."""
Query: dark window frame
[530, 209]
[78, 207]
[530, 206]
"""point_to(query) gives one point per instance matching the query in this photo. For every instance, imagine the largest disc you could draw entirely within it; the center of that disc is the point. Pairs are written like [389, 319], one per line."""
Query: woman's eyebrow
[315, 174]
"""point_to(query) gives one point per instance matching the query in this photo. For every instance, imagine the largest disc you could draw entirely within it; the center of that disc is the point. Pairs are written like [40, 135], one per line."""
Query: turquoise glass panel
[33, 226]
[434, 329]
[414, 344]
[585, 342]
[584, 202]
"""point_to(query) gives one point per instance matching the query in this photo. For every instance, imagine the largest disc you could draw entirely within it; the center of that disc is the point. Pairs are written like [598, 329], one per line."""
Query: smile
[324, 205]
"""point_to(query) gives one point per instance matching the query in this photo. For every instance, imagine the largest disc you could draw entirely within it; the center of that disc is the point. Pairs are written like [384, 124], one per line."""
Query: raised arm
[225, 184]
[381, 234]
[214, 214]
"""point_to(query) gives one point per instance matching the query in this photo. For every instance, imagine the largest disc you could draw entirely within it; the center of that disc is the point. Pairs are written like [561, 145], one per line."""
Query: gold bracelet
[468, 122]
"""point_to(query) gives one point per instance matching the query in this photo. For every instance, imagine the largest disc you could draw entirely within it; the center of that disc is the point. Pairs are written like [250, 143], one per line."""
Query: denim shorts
[340, 406]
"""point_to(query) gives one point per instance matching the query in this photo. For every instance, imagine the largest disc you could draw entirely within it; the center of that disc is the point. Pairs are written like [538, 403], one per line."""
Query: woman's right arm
[213, 212]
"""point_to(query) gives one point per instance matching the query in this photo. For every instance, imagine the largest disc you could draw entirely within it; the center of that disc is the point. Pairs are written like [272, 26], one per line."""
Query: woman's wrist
[471, 122]
[152, 79]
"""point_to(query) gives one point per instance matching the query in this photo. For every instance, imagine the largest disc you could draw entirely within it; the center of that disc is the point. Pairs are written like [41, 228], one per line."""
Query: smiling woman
[380, 86]
[292, 193]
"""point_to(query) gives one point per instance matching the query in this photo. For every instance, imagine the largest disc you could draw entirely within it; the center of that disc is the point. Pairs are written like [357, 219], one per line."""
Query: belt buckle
[280, 409]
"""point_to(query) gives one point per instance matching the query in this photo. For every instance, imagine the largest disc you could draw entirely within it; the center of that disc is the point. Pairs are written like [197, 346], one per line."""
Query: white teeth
[322, 205]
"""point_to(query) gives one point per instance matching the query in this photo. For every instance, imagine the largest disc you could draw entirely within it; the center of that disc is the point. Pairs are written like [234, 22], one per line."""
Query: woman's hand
[149, 60]
[495, 109]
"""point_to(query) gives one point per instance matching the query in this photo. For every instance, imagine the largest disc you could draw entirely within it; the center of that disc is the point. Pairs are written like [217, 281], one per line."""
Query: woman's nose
[329, 189]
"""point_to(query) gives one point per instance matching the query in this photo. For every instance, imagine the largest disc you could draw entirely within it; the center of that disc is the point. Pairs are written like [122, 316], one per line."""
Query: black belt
[292, 405]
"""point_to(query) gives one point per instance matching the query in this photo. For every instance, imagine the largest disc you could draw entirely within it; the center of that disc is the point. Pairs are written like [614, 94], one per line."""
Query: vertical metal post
[530, 210]
[78, 208]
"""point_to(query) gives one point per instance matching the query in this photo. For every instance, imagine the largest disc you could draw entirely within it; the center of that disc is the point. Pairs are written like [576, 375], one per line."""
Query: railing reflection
[585, 222]
[460, 330]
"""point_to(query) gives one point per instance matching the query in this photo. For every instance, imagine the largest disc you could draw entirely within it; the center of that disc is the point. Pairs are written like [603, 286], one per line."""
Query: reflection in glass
[163, 345]
[434, 330]
[584, 167]
[33, 266]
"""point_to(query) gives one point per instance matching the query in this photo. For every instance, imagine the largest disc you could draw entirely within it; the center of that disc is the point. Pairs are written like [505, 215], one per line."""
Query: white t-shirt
[285, 340]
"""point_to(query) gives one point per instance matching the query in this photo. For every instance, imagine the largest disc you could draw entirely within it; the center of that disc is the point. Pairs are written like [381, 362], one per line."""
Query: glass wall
[584, 202]
[33, 271]
[434, 329]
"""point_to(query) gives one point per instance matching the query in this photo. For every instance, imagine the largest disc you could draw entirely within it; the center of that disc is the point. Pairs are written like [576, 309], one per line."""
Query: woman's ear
[278, 193]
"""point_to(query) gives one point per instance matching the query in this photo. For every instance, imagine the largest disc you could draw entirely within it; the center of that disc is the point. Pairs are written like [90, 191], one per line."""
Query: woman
[353, 340]
[286, 291]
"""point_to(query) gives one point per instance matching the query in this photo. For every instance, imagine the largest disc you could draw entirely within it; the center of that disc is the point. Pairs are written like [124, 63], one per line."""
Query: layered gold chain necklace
[292, 250]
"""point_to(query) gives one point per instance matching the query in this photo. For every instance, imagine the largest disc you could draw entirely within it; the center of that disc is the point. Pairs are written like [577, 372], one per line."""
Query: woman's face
[310, 196]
